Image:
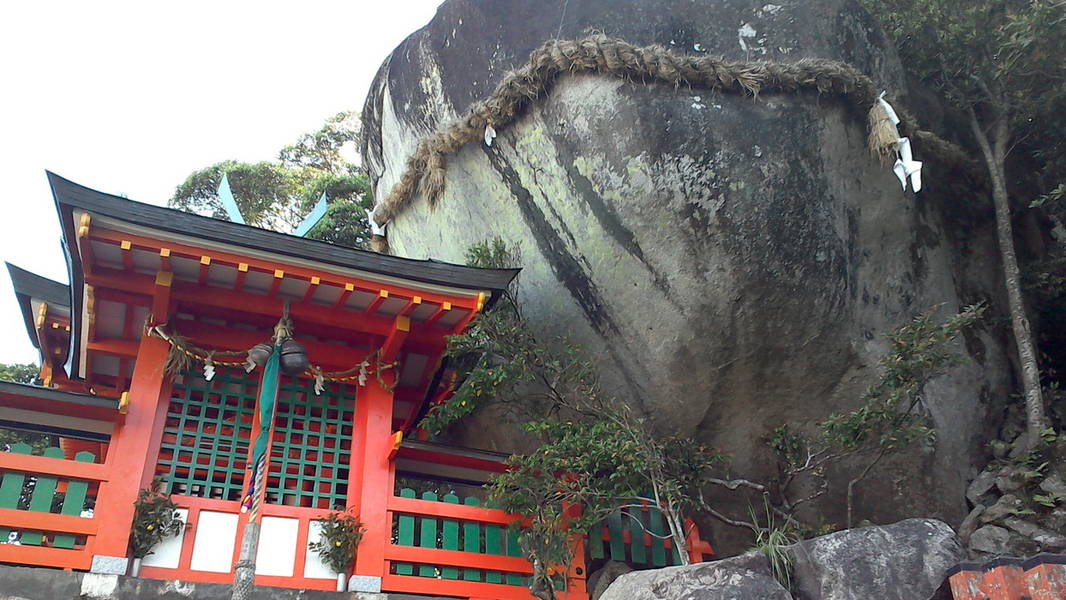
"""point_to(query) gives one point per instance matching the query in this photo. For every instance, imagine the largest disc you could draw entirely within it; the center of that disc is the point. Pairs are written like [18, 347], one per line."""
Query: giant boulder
[745, 577]
[730, 263]
[908, 560]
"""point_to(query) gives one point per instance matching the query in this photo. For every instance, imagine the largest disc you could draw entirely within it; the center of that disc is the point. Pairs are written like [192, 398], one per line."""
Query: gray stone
[109, 565]
[740, 578]
[599, 581]
[991, 539]
[1048, 541]
[907, 560]
[1004, 507]
[1010, 479]
[364, 583]
[1056, 519]
[979, 490]
[723, 260]
[1054, 484]
[971, 523]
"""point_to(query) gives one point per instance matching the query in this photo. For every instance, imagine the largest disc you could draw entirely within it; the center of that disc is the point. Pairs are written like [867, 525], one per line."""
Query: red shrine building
[143, 382]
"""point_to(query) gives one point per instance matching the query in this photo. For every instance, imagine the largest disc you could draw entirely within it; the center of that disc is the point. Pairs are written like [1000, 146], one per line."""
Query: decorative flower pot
[135, 567]
[342, 582]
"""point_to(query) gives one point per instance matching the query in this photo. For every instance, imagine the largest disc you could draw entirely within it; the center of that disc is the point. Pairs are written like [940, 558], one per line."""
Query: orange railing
[46, 507]
[447, 548]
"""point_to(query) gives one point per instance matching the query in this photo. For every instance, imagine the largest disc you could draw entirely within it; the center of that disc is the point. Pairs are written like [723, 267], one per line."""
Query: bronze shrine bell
[260, 353]
[293, 357]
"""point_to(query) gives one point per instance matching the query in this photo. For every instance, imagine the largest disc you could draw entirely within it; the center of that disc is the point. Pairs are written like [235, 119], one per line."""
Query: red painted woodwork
[131, 458]
[196, 505]
[54, 466]
[1042, 577]
[445, 510]
[372, 473]
[76, 558]
[267, 266]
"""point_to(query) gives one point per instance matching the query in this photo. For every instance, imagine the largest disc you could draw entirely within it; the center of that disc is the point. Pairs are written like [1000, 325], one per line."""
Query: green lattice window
[205, 440]
[312, 445]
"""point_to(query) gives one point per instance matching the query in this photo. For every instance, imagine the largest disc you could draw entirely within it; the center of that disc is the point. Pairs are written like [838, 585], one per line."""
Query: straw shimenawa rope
[425, 169]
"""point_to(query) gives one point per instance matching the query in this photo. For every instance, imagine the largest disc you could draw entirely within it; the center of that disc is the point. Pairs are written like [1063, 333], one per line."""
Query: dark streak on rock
[608, 218]
[566, 267]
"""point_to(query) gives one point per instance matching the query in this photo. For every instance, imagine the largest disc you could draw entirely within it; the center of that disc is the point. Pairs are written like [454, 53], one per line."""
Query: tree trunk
[995, 158]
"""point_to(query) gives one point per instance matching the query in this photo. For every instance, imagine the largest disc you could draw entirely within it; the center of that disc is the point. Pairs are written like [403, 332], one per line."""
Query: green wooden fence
[38, 493]
[451, 534]
[646, 530]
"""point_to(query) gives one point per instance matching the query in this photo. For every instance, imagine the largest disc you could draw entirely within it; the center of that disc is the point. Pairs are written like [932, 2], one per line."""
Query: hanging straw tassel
[883, 138]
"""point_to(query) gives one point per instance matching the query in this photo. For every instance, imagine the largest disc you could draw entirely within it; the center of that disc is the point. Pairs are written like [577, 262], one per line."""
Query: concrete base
[110, 565]
[29, 583]
[364, 583]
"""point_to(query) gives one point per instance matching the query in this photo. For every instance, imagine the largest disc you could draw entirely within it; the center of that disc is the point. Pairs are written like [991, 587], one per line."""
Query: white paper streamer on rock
[490, 134]
[908, 168]
[891, 112]
[905, 167]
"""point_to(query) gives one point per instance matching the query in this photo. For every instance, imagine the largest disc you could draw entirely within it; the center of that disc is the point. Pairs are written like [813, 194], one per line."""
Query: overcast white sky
[130, 97]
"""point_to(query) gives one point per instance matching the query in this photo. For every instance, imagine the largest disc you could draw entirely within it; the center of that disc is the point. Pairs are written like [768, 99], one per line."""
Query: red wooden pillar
[130, 458]
[371, 477]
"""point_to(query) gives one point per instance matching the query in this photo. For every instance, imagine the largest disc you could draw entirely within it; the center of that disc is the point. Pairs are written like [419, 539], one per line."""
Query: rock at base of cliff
[745, 577]
[907, 560]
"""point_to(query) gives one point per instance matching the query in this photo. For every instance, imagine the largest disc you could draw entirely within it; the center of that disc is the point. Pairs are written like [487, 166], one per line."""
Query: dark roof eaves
[36, 391]
[167, 219]
[28, 285]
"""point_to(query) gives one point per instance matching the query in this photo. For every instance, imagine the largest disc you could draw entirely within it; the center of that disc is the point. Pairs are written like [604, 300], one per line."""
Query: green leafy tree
[19, 373]
[23, 373]
[595, 453]
[890, 419]
[1001, 64]
[278, 195]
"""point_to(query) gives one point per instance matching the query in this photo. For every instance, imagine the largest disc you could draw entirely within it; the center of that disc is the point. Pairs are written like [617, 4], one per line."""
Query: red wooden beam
[43, 465]
[442, 309]
[411, 306]
[372, 308]
[240, 303]
[242, 274]
[445, 510]
[267, 266]
[161, 297]
[455, 558]
[115, 346]
[205, 268]
[391, 348]
[48, 557]
[127, 254]
[446, 587]
[343, 298]
[275, 285]
[218, 337]
[312, 287]
[42, 521]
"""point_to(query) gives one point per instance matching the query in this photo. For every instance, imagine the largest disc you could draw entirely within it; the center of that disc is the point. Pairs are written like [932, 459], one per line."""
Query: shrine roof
[73, 195]
[30, 287]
